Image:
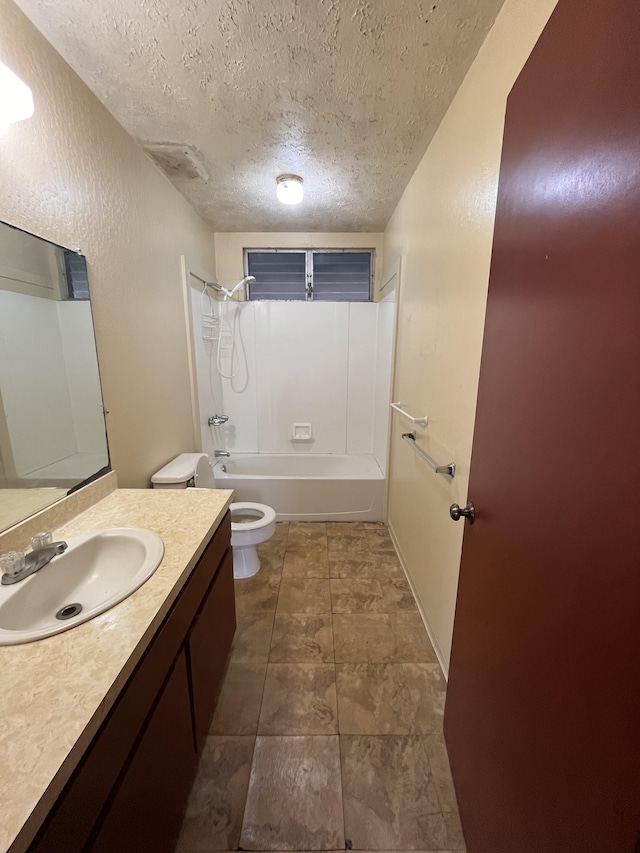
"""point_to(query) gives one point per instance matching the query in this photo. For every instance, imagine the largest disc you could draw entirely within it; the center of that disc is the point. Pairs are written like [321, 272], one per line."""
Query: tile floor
[328, 729]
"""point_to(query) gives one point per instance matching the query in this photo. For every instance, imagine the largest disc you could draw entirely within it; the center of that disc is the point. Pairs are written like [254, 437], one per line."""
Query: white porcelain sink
[96, 572]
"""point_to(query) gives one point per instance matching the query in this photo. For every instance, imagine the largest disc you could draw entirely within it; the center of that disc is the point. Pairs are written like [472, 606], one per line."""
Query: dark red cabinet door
[209, 644]
[543, 711]
[146, 810]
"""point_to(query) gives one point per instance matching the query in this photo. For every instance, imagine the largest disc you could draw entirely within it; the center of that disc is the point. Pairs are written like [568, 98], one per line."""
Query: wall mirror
[52, 430]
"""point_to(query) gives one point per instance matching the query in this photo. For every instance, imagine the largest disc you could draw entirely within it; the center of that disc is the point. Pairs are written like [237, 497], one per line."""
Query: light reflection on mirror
[52, 430]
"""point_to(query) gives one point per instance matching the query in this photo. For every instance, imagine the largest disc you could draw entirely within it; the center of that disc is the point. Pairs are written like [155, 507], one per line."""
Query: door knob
[469, 512]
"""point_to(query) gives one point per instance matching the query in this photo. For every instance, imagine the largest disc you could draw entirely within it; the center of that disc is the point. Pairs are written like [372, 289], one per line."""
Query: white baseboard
[443, 665]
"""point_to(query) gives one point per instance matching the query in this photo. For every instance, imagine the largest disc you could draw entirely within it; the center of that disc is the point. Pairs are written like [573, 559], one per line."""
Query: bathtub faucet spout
[219, 453]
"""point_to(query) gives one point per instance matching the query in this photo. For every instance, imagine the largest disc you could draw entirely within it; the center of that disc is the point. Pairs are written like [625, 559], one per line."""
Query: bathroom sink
[96, 572]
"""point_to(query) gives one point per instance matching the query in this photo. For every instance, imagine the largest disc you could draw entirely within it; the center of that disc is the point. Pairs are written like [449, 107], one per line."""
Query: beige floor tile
[295, 795]
[411, 639]
[299, 699]
[455, 837]
[397, 787]
[252, 639]
[213, 818]
[276, 545]
[390, 801]
[371, 595]
[304, 595]
[271, 560]
[356, 595]
[306, 560]
[355, 526]
[257, 594]
[298, 638]
[363, 638]
[361, 542]
[396, 594]
[354, 551]
[271, 557]
[282, 530]
[364, 566]
[384, 699]
[307, 531]
[346, 527]
[342, 540]
[238, 707]
[440, 770]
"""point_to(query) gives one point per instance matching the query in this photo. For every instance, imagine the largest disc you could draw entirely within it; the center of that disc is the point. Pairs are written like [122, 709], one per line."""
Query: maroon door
[543, 710]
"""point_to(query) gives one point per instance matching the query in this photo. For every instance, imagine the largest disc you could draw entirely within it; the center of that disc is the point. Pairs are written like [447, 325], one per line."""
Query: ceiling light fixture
[16, 100]
[289, 189]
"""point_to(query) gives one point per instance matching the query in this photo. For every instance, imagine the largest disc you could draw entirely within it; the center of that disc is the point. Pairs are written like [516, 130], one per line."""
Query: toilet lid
[251, 516]
[181, 469]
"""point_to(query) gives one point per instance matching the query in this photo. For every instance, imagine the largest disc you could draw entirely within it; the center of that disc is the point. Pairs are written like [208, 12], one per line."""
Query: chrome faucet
[219, 453]
[19, 566]
[218, 420]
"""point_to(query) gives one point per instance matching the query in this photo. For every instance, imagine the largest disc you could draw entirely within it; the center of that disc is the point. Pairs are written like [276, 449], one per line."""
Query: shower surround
[323, 364]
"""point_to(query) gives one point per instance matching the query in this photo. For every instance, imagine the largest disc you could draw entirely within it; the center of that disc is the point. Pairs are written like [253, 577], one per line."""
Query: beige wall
[72, 175]
[443, 230]
[229, 248]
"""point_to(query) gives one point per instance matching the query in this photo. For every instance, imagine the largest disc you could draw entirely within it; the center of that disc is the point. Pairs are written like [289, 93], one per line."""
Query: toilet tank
[188, 469]
[204, 473]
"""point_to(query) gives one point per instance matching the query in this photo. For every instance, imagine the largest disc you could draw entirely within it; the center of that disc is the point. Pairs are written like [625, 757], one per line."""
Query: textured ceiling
[345, 93]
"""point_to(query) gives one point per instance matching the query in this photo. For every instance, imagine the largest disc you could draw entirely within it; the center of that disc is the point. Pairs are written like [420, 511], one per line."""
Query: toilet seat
[266, 516]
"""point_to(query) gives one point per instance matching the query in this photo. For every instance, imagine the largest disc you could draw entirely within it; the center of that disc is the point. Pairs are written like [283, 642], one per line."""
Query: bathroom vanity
[103, 725]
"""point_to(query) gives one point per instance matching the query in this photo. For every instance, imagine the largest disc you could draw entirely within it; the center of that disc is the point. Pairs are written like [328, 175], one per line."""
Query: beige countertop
[55, 693]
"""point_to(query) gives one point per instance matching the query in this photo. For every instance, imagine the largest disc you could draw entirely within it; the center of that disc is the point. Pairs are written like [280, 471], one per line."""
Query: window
[279, 274]
[75, 267]
[328, 275]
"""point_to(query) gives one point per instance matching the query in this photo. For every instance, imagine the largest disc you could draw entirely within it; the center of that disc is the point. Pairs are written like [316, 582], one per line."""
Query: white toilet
[251, 523]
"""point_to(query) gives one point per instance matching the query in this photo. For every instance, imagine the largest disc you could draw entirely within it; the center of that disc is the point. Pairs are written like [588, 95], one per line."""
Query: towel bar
[420, 421]
[448, 470]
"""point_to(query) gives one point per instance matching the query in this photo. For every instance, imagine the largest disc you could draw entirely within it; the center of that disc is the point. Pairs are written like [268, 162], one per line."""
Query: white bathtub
[307, 487]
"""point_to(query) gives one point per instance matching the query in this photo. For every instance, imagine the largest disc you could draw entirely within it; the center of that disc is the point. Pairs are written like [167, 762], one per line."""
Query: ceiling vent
[178, 161]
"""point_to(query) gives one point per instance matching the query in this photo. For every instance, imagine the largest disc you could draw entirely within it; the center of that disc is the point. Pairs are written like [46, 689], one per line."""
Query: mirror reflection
[52, 430]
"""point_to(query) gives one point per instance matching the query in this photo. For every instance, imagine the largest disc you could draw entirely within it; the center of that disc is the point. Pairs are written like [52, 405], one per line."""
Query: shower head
[248, 279]
[229, 293]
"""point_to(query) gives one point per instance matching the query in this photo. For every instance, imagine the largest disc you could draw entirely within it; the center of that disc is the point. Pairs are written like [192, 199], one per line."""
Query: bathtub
[307, 487]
